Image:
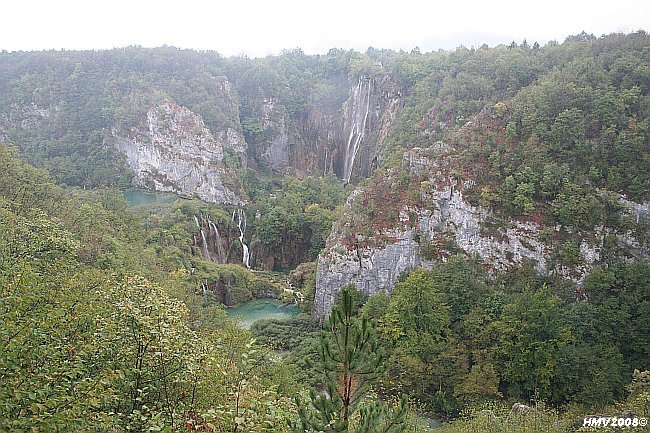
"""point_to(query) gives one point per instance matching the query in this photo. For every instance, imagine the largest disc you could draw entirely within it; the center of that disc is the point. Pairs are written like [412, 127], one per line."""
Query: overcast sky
[258, 28]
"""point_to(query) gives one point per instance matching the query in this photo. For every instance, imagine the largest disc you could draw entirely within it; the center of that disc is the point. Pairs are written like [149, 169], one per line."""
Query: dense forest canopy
[582, 103]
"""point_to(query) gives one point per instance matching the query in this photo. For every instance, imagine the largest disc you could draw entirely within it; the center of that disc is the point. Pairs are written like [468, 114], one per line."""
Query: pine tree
[349, 361]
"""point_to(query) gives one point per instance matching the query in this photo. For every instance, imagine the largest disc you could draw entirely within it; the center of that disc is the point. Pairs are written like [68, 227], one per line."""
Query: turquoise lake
[268, 308]
[263, 308]
[141, 198]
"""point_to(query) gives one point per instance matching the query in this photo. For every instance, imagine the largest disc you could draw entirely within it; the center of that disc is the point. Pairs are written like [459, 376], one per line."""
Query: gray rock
[376, 268]
[274, 117]
[503, 244]
[370, 269]
[178, 153]
[519, 409]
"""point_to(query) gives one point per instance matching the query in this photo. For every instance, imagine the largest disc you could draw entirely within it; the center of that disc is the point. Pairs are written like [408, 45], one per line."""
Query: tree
[416, 307]
[481, 383]
[376, 306]
[533, 331]
[425, 358]
[50, 379]
[460, 285]
[349, 361]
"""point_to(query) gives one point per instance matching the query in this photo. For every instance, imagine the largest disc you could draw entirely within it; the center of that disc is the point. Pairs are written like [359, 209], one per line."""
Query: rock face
[344, 139]
[370, 269]
[447, 217]
[506, 246]
[368, 114]
[447, 223]
[178, 153]
[274, 117]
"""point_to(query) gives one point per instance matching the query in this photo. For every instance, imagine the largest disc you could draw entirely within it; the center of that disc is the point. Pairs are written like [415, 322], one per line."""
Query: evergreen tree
[349, 361]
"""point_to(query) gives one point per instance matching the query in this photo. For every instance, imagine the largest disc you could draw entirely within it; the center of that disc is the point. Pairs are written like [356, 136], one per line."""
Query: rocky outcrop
[178, 153]
[274, 118]
[370, 269]
[344, 139]
[447, 216]
[446, 223]
[368, 115]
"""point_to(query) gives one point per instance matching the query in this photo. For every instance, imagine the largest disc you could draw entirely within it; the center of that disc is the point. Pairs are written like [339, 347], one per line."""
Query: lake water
[268, 308]
[140, 198]
[263, 308]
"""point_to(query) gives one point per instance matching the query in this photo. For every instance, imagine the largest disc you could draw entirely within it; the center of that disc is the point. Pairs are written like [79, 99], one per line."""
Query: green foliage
[532, 331]
[492, 345]
[461, 284]
[349, 362]
[48, 376]
[594, 371]
[88, 350]
[570, 253]
[229, 394]
[576, 208]
[152, 347]
[502, 419]
[517, 192]
[621, 300]
[284, 334]
[553, 179]
[416, 308]
[294, 217]
[356, 297]
[425, 359]
[376, 306]
[482, 383]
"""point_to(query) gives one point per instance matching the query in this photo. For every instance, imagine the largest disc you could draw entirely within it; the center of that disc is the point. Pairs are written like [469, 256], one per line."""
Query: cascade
[241, 217]
[220, 251]
[358, 126]
[206, 252]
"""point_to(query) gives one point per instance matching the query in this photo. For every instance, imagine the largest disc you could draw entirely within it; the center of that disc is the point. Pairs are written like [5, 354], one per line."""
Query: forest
[114, 318]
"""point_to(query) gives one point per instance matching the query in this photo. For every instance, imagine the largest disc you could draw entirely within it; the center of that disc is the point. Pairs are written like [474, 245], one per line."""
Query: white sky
[258, 28]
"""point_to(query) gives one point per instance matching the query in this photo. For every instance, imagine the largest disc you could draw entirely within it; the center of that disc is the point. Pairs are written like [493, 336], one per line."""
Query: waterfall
[206, 252]
[358, 126]
[220, 251]
[241, 217]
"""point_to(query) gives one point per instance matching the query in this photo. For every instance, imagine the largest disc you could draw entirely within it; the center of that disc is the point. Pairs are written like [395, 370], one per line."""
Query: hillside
[489, 206]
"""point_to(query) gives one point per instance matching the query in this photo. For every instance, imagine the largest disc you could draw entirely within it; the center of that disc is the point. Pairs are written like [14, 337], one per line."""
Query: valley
[477, 219]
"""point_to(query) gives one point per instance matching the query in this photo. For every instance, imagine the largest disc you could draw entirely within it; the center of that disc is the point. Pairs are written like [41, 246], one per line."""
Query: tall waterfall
[206, 251]
[359, 119]
[241, 218]
[220, 251]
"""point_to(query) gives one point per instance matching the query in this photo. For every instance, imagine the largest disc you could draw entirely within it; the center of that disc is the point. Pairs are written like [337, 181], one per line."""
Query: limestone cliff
[439, 222]
[344, 139]
[178, 153]
[368, 115]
